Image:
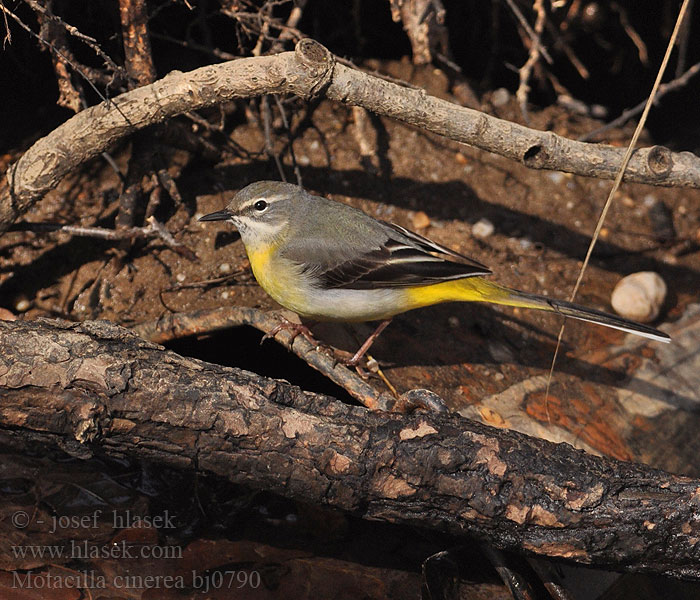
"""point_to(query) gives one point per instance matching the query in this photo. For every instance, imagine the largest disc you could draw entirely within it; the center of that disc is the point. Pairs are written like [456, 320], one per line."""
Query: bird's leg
[296, 329]
[355, 360]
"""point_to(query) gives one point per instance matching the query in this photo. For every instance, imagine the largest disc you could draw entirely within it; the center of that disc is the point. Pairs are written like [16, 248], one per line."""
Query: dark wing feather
[405, 259]
[431, 246]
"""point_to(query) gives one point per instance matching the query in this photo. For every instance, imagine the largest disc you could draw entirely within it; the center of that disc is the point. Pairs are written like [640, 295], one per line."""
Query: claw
[296, 329]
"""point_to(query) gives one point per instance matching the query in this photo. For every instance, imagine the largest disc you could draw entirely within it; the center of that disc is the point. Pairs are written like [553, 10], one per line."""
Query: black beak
[219, 215]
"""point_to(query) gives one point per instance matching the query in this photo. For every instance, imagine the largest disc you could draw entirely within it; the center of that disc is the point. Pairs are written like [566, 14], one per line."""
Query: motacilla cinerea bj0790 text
[328, 261]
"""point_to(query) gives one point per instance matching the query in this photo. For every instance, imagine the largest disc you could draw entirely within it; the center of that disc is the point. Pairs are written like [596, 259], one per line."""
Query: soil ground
[464, 352]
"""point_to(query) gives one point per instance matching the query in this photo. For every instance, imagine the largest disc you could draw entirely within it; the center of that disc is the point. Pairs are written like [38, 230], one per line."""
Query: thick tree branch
[95, 387]
[310, 71]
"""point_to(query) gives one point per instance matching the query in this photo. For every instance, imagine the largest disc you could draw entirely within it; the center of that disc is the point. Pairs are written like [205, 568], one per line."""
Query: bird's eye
[260, 205]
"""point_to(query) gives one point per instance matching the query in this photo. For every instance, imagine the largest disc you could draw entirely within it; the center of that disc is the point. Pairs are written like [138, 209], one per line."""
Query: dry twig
[533, 57]
[308, 72]
[630, 113]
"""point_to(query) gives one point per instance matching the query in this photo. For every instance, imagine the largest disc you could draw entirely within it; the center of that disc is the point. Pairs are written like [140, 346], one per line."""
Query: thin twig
[75, 32]
[631, 33]
[684, 37]
[664, 89]
[267, 129]
[532, 35]
[290, 139]
[563, 45]
[77, 68]
[153, 230]
[533, 57]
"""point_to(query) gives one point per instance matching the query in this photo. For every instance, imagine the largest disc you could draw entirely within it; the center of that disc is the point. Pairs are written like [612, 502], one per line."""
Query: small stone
[22, 305]
[639, 296]
[598, 111]
[555, 176]
[628, 201]
[304, 160]
[224, 268]
[483, 228]
[180, 277]
[421, 220]
[461, 159]
[500, 97]
[453, 322]
[6, 315]
[225, 295]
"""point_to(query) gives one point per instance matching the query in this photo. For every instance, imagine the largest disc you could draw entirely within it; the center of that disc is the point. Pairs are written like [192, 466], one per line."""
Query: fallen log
[96, 388]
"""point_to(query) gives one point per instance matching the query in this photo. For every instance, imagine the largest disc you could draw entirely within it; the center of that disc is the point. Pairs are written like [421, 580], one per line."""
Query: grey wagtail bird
[328, 261]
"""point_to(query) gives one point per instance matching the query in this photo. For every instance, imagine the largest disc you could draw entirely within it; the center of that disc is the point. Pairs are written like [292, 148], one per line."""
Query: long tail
[486, 291]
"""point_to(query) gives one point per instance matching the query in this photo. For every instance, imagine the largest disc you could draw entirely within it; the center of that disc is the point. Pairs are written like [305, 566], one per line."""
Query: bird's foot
[297, 329]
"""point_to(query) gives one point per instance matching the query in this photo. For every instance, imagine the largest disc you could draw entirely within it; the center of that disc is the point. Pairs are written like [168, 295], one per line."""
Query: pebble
[22, 305]
[180, 277]
[639, 296]
[420, 220]
[500, 97]
[303, 160]
[555, 176]
[224, 268]
[453, 322]
[483, 228]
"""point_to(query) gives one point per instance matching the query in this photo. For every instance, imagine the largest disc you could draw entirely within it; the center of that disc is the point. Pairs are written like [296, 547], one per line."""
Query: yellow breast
[280, 278]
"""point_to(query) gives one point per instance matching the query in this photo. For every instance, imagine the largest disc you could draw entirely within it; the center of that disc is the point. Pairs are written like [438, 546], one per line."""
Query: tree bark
[311, 70]
[97, 388]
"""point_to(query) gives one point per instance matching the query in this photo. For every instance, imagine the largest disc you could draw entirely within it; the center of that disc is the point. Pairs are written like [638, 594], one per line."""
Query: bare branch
[309, 71]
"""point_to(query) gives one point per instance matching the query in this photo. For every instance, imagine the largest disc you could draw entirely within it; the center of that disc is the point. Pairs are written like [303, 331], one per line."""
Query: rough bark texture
[95, 387]
[309, 71]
